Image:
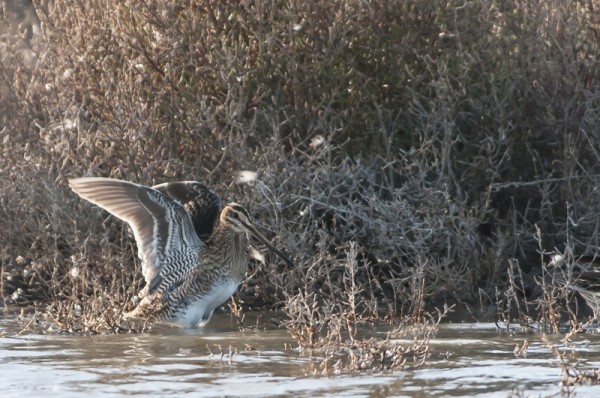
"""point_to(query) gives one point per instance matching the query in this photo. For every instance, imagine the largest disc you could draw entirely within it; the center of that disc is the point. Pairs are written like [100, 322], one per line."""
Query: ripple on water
[466, 360]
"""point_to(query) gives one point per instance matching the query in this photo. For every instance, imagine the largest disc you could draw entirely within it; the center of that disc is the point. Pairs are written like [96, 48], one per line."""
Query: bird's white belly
[199, 312]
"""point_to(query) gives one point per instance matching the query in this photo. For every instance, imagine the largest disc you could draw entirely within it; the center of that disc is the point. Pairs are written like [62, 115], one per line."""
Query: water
[466, 360]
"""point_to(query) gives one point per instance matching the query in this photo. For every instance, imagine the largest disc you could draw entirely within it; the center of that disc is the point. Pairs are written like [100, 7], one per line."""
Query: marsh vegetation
[408, 156]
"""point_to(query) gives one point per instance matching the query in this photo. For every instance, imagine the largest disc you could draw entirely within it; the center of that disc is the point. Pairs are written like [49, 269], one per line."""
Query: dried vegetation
[407, 154]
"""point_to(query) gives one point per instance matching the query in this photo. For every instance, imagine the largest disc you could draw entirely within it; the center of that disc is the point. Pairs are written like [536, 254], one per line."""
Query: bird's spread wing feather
[163, 228]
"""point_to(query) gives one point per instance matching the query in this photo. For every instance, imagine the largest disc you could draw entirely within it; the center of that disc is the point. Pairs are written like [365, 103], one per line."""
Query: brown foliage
[405, 150]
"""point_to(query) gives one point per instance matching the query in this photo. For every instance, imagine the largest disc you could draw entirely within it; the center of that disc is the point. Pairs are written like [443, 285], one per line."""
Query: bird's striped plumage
[193, 251]
[203, 204]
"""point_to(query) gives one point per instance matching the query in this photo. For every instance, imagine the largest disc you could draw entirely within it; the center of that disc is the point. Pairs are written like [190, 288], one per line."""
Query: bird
[193, 249]
[581, 275]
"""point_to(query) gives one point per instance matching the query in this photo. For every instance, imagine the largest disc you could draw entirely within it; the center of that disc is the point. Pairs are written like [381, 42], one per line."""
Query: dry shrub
[404, 151]
[372, 355]
[363, 251]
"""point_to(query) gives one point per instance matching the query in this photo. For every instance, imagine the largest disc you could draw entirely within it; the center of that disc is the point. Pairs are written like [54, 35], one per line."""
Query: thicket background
[400, 147]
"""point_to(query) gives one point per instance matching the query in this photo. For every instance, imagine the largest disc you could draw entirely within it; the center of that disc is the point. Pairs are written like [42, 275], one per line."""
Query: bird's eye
[235, 215]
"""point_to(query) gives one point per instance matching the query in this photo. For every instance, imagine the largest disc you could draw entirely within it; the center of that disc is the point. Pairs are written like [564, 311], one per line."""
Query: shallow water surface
[466, 360]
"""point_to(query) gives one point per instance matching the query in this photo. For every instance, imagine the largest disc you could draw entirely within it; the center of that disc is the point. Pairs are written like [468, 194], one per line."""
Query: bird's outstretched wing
[163, 229]
[203, 204]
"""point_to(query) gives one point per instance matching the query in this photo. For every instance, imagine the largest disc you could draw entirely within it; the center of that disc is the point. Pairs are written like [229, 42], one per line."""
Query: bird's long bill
[264, 240]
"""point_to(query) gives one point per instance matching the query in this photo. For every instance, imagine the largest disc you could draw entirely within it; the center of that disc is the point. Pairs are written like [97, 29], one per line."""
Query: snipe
[193, 250]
